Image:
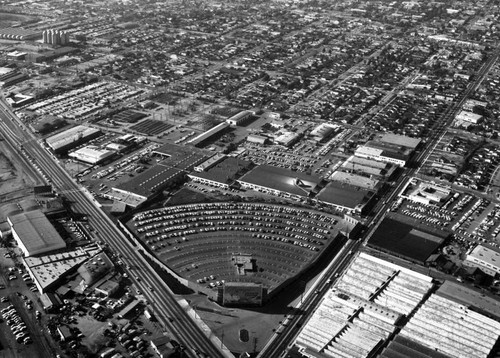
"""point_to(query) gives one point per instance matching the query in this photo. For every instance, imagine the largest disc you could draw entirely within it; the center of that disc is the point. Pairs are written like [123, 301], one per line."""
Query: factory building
[34, 233]
[91, 155]
[368, 303]
[71, 138]
[198, 140]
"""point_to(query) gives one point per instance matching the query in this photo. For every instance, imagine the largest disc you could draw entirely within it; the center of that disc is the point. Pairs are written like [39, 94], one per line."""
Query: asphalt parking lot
[17, 293]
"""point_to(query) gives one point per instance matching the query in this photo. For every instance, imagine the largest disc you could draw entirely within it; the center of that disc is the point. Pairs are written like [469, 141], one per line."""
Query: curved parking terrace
[203, 242]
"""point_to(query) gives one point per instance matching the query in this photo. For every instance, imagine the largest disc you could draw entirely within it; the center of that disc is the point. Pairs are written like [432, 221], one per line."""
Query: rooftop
[363, 308]
[468, 297]
[400, 140]
[366, 163]
[36, 232]
[355, 180]
[71, 135]
[344, 195]
[150, 181]
[49, 268]
[91, 153]
[284, 180]
[452, 328]
[224, 171]
[486, 254]
[402, 239]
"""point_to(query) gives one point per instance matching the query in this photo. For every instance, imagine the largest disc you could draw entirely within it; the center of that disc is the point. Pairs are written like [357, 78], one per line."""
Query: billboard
[242, 294]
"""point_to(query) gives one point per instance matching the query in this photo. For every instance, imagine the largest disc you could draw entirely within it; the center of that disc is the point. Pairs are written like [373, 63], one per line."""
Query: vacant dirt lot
[15, 184]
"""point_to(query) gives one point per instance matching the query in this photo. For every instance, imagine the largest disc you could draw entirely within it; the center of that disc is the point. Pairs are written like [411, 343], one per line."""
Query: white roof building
[484, 258]
[466, 116]
[323, 130]
[91, 155]
[380, 155]
[71, 137]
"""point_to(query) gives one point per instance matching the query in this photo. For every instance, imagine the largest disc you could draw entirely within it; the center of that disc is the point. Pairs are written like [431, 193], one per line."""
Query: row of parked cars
[17, 325]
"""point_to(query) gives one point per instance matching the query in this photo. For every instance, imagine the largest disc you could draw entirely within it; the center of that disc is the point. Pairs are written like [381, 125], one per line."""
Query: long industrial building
[34, 233]
[208, 134]
[19, 34]
[360, 315]
[71, 138]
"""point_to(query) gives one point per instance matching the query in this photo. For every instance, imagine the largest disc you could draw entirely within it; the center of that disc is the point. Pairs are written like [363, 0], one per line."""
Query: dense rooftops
[363, 309]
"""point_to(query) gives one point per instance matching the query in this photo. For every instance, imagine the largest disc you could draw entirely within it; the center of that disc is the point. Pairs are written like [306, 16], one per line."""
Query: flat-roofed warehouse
[34, 233]
[91, 155]
[414, 242]
[71, 138]
[346, 197]
[356, 180]
[400, 140]
[279, 182]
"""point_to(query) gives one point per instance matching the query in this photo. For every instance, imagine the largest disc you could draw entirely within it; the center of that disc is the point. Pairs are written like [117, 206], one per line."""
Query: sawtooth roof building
[363, 309]
[375, 299]
[34, 233]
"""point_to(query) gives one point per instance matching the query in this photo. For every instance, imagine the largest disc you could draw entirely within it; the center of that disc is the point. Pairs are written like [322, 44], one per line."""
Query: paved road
[166, 308]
